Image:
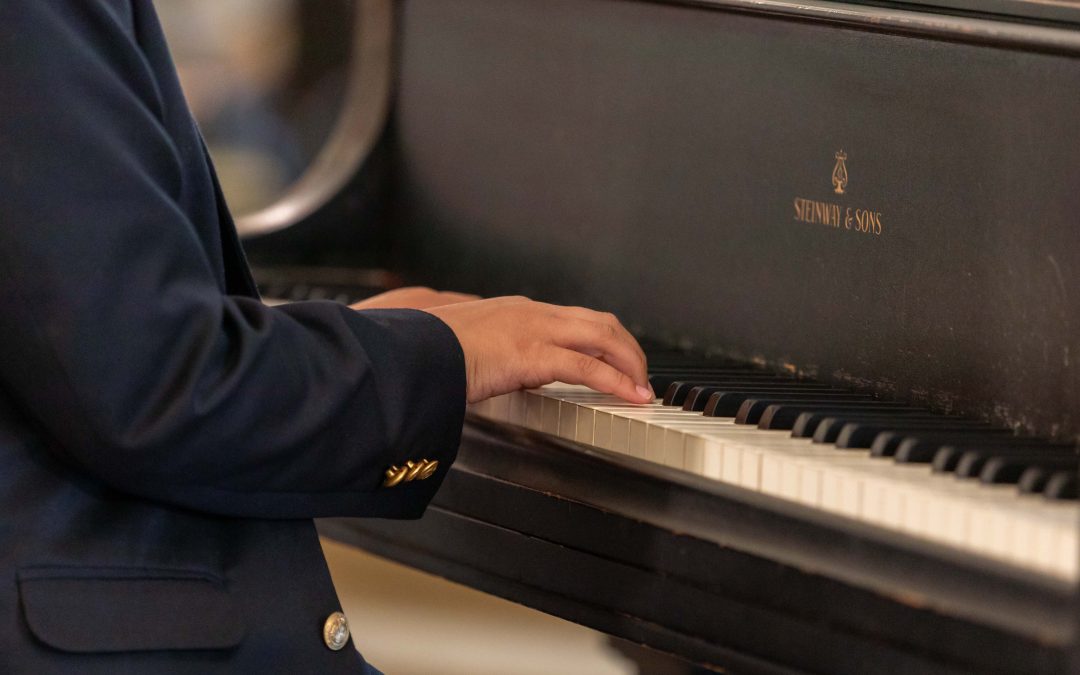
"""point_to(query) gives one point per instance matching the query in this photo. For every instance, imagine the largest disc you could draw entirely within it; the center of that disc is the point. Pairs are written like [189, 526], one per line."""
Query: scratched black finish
[645, 157]
[729, 579]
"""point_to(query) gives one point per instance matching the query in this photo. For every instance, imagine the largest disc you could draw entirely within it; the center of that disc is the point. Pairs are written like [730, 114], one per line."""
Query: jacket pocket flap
[80, 609]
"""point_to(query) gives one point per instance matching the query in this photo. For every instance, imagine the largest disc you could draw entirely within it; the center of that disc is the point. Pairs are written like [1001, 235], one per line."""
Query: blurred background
[264, 79]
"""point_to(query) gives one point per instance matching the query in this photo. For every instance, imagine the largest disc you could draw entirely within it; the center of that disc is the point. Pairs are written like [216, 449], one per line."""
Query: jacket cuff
[421, 382]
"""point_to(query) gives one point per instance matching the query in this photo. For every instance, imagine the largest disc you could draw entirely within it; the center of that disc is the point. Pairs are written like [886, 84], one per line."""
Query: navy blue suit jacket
[165, 439]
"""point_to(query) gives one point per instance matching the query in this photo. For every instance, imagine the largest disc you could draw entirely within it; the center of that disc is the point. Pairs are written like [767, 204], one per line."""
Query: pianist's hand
[513, 343]
[413, 297]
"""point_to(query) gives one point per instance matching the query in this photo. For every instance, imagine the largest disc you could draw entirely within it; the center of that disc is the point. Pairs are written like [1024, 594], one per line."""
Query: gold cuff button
[335, 631]
[414, 470]
[429, 467]
[411, 471]
[395, 475]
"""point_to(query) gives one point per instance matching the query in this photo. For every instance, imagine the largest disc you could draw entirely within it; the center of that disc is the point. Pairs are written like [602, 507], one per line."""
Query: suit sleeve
[120, 344]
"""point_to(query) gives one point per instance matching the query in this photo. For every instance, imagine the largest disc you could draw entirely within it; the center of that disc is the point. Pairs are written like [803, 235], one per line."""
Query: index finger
[617, 349]
[573, 367]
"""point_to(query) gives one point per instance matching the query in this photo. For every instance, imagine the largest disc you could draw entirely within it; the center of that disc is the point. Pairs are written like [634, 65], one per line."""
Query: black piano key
[780, 416]
[806, 424]
[661, 379]
[698, 397]
[861, 434]
[924, 443]
[972, 462]
[727, 403]
[1006, 469]
[947, 458]
[1033, 480]
[829, 428]
[677, 391]
[921, 448]
[751, 410]
[1062, 485]
[763, 387]
[973, 458]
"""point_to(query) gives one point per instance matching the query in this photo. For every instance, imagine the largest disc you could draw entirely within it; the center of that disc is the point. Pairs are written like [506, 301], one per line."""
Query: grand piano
[856, 214]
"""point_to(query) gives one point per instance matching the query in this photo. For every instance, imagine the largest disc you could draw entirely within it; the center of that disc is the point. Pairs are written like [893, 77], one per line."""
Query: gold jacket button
[335, 631]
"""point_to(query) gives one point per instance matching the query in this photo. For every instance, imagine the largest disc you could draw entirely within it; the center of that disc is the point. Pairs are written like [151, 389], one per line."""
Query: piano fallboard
[716, 574]
[829, 191]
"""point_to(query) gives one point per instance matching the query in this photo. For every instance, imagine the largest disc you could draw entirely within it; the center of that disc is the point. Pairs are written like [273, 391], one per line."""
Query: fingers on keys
[597, 351]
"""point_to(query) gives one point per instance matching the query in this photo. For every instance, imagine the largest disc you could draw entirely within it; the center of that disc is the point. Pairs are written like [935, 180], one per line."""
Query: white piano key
[534, 400]
[654, 443]
[674, 448]
[499, 408]
[693, 454]
[549, 415]
[841, 491]
[620, 434]
[481, 408]
[1068, 553]
[586, 418]
[915, 513]
[602, 429]
[750, 467]
[893, 501]
[1024, 538]
[637, 437]
[810, 485]
[731, 467]
[712, 458]
[516, 414]
[1002, 526]
[635, 421]
[687, 446]
[568, 412]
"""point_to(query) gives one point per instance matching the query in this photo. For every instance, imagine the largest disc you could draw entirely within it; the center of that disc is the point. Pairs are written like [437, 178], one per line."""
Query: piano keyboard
[922, 496]
[279, 285]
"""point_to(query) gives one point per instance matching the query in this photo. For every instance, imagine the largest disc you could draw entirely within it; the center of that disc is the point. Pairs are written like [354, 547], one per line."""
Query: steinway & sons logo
[839, 216]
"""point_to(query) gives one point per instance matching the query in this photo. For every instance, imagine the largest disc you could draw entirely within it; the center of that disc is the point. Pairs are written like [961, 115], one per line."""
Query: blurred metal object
[362, 118]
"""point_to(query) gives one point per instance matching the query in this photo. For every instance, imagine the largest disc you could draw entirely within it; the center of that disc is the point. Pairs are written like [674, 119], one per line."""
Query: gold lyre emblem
[839, 173]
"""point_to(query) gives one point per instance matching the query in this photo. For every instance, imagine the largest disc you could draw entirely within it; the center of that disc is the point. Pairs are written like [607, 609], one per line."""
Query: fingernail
[645, 392]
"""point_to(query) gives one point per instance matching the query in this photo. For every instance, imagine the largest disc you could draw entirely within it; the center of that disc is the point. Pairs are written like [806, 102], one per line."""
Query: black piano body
[883, 195]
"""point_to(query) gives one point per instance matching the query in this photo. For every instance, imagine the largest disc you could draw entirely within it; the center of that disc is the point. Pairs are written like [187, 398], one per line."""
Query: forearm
[300, 406]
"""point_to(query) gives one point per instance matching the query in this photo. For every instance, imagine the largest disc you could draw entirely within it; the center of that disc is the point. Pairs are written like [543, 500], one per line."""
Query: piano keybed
[996, 521]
